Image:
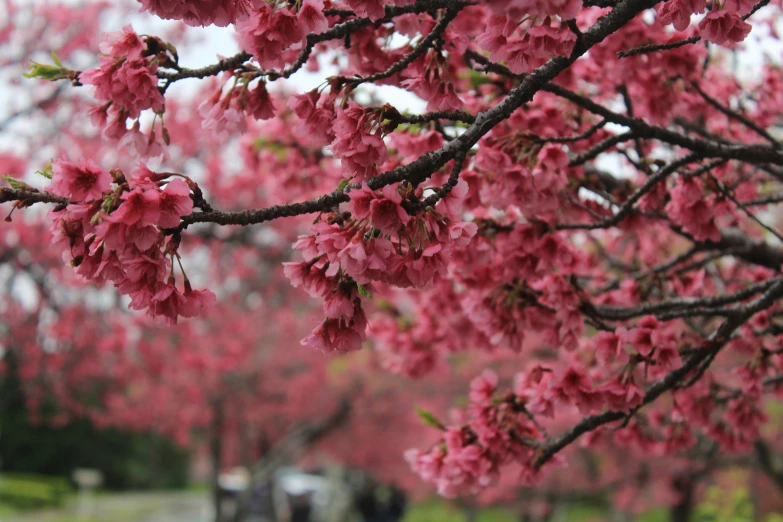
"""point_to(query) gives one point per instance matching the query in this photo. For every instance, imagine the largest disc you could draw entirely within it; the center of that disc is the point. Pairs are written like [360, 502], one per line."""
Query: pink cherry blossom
[80, 181]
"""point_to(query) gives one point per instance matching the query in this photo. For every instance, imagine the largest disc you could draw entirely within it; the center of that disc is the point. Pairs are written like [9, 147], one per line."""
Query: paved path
[126, 507]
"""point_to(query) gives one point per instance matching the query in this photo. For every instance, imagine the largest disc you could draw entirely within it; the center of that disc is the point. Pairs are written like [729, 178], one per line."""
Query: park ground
[193, 506]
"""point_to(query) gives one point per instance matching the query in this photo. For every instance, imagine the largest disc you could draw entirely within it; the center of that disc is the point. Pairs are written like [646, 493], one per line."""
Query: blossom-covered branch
[587, 203]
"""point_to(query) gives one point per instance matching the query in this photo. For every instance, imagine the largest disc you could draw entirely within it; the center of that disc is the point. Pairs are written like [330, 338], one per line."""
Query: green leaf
[46, 172]
[47, 72]
[343, 183]
[430, 419]
[15, 183]
[363, 291]
[259, 144]
[108, 203]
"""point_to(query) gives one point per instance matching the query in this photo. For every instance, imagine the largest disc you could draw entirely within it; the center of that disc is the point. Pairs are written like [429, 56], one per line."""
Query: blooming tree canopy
[587, 207]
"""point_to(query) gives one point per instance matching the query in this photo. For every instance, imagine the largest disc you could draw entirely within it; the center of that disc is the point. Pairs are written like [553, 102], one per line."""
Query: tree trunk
[682, 510]
[471, 512]
[215, 453]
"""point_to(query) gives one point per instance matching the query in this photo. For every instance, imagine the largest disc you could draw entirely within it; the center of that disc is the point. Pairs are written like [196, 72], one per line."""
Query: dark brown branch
[340, 30]
[440, 115]
[757, 154]
[443, 191]
[226, 64]
[351, 26]
[690, 304]
[429, 163]
[422, 47]
[651, 48]
[719, 338]
[600, 148]
[627, 206]
[735, 115]
[571, 139]
[756, 252]
[28, 197]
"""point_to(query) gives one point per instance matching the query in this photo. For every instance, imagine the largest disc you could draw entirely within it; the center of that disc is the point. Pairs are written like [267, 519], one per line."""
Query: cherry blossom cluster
[377, 241]
[502, 429]
[225, 113]
[126, 83]
[112, 230]
[274, 33]
[589, 197]
[723, 24]
[524, 46]
[218, 12]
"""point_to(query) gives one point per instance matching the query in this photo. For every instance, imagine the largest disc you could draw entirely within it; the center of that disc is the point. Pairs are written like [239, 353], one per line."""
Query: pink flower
[547, 41]
[99, 114]
[224, 116]
[387, 213]
[724, 27]
[445, 98]
[112, 232]
[312, 279]
[360, 201]
[517, 9]
[110, 268]
[218, 12]
[169, 303]
[461, 233]
[378, 250]
[304, 105]
[353, 259]
[311, 17]
[197, 300]
[138, 206]
[372, 9]
[143, 178]
[129, 84]
[741, 7]
[360, 150]
[337, 304]
[259, 104]
[142, 236]
[427, 465]
[175, 203]
[678, 12]
[423, 266]
[308, 246]
[126, 44]
[267, 33]
[642, 338]
[483, 387]
[694, 211]
[575, 387]
[517, 55]
[80, 182]
[678, 437]
[145, 269]
[339, 335]
[316, 115]
[609, 347]
[622, 395]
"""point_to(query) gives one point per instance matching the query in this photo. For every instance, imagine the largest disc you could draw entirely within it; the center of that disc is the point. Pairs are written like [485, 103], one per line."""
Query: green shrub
[26, 491]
